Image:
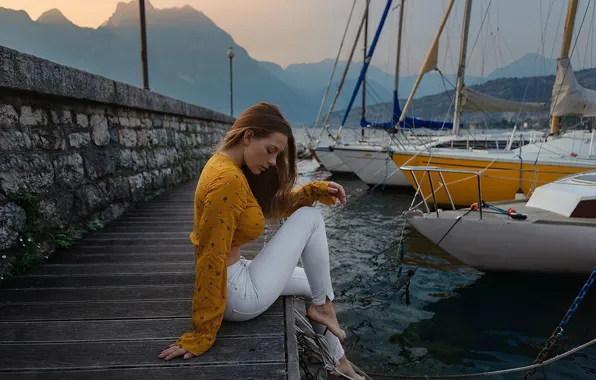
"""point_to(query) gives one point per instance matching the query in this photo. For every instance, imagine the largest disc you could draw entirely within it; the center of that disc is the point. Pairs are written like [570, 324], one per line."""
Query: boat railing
[435, 169]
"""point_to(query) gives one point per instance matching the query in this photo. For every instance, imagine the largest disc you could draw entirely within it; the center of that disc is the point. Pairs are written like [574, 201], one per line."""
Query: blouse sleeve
[218, 220]
[308, 194]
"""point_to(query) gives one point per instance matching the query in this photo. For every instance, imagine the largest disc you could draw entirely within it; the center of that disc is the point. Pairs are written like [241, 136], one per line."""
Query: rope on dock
[492, 373]
[315, 346]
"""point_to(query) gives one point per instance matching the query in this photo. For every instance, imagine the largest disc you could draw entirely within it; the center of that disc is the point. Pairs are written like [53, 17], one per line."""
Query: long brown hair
[272, 187]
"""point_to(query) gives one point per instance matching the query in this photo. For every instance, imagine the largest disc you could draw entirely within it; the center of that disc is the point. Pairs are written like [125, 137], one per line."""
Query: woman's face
[261, 154]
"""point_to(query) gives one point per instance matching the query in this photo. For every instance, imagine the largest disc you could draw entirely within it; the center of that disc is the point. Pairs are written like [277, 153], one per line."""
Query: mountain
[188, 61]
[529, 65]
[54, 17]
[186, 50]
[440, 106]
[312, 78]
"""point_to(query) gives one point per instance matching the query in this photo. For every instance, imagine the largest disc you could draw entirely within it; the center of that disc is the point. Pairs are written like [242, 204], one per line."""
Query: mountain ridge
[187, 60]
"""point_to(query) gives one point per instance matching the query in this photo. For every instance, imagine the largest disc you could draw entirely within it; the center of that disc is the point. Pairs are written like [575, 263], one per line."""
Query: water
[459, 320]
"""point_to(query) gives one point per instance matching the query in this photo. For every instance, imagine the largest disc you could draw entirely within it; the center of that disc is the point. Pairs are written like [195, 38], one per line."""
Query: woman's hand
[338, 191]
[174, 351]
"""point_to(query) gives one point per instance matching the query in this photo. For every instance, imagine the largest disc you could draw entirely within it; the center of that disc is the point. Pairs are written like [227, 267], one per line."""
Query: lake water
[459, 320]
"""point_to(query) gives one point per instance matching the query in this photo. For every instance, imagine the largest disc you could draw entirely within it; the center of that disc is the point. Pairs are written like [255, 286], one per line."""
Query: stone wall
[75, 147]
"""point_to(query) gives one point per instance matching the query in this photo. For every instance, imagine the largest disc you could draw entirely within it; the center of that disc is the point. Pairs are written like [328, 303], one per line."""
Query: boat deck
[535, 215]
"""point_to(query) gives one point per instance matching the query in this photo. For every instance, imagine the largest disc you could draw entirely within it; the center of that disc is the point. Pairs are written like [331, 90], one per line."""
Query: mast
[462, 67]
[430, 57]
[398, 61]
[369, 55]
[567, 35]
[364, 59]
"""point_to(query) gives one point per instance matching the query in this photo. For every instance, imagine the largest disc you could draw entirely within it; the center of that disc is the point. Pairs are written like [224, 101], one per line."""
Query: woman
[250, 178]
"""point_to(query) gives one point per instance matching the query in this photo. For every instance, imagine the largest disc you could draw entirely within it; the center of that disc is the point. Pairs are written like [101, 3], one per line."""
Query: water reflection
[459, 320]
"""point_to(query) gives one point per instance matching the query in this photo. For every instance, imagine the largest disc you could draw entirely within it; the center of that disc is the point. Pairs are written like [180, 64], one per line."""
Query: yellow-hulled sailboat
[459, 177]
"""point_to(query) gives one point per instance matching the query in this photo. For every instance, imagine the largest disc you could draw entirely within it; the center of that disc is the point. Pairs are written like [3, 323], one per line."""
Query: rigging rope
[491, 373]
[334, 66]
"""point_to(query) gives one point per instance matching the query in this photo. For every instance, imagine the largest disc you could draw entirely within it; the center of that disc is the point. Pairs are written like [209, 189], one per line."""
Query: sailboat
[450, 176]
[554, 230]
[372, 161]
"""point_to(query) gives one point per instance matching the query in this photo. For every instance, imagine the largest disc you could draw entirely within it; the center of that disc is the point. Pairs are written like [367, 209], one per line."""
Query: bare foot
[346, 368]
[325, 315]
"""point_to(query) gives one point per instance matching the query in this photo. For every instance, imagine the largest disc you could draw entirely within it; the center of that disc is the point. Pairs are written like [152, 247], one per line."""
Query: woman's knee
[309, 213]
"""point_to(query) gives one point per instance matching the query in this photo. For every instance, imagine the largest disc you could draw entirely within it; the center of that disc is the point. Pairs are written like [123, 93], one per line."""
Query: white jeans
[253, 286]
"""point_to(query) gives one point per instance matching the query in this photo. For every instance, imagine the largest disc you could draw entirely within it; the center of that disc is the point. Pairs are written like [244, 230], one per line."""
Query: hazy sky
[296, 31]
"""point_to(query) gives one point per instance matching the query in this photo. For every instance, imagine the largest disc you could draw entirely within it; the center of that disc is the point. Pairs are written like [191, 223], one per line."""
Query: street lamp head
[231, 52]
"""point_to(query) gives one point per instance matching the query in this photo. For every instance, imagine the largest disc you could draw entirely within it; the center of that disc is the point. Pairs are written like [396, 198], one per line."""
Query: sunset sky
[296, 31]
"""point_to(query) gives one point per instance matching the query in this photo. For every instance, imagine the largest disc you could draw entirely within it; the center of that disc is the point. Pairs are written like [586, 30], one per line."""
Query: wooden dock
[105, 308]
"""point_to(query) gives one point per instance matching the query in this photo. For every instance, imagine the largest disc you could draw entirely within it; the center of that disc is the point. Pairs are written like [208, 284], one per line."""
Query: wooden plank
[93, 355]
[129, 329]
[111, 293]
[268, 371]
[164, 220]
[98, 280]
[123, 258]
[108, 293]
[82, 310]
[82, 248]
[147, 235]
[138, 268]
[141, 242]
[132, 228]
[292, 359]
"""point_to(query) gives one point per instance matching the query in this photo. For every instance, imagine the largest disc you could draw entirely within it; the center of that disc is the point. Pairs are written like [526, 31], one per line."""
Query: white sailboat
[370, 161]
[558, 234]
[555, 230]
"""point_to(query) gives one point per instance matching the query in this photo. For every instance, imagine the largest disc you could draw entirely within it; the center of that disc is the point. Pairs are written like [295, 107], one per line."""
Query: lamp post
[144, 44]
[231, 55]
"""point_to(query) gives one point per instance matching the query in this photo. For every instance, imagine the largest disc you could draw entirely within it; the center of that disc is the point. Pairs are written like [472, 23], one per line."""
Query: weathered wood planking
[127, 329]
[102, 354]
[265, 371]
[106, 307]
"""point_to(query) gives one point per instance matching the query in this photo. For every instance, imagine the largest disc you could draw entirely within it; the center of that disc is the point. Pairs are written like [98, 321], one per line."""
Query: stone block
[8, 116]
[61, 117]
[135, 122]
[113, 212]
[32, 117]
[139, 160]
[162, 136]
[33, 173]
[12, 223]
[82, 120]
[118, 188]
[128, 138]
[124, 121]
[12, 139]
[90, 198]
[99, 130]
[69, 171]
[142, 139]
[79, 140]
[48, 138]
[136, 183]
[99, 163]
[123, 158]
[113, 121]
[58, 210]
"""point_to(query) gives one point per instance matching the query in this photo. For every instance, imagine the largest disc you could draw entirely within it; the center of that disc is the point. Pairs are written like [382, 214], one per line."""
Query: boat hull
[503, 244]
[500, 180]
[330, 161]
[373, 167]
